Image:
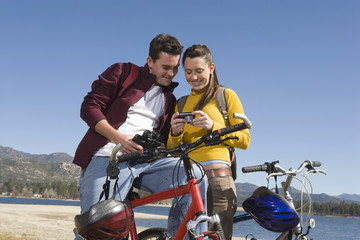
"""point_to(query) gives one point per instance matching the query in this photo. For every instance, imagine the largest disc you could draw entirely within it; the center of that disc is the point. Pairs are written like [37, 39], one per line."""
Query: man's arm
[103, 91]
[106, 130]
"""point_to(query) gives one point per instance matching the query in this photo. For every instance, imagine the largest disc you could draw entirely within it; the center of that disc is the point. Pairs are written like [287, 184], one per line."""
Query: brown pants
[222, 200]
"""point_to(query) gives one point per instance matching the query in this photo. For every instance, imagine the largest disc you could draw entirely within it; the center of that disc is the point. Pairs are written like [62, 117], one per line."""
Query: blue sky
[294, 64]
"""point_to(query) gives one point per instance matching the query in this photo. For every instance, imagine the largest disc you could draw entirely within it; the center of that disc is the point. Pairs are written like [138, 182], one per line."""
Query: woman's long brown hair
[201, 50]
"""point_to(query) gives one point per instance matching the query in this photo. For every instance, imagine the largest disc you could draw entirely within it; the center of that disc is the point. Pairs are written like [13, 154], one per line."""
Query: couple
[149, 104]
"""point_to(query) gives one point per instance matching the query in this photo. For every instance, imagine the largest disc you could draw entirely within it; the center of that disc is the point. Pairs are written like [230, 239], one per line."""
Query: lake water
[327, 228]
[38, 201]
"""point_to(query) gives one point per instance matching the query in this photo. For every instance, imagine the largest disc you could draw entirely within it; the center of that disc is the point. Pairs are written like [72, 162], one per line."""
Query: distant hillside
[7, 152]
[245, 190]
[350, 197]
[58, 167]
[36, 167]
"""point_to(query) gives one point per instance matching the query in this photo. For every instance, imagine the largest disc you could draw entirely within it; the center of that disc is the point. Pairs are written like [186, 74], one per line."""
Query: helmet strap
[105, 191]
[106, 188]
[116, 186]
[276, 186]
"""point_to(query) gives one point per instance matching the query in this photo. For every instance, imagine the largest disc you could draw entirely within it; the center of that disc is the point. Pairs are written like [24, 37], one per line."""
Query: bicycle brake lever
[228, 138]
[216, 140]
[320, 171]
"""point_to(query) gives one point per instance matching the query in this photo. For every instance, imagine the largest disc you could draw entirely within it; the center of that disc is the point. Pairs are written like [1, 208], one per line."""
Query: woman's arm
[235, 106]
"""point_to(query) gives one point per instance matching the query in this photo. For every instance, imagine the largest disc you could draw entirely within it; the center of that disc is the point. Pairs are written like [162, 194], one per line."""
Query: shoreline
[76, 200]
[47, 222]
[57, 199]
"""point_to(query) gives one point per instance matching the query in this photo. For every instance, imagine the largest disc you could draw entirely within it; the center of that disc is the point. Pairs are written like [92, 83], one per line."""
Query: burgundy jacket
[103, 102]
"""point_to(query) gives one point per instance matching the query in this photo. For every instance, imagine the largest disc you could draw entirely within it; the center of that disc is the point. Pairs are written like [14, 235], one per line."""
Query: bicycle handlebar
[276, 170]
[257, 168]
[212, 138]
[129, 156]
[236, 127]
[316, 164]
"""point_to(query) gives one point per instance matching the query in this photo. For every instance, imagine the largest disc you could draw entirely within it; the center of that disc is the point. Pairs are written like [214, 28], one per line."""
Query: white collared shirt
[143, 115]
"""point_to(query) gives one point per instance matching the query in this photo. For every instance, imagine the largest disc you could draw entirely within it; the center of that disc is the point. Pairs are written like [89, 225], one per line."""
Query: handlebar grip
[244, 118]
[313, 163]
[316, 164]
[129, 157]
[237, 127]
[233, 128]
[257, 168]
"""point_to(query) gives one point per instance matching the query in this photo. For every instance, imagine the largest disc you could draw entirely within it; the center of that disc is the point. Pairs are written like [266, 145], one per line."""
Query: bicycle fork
[196, 212]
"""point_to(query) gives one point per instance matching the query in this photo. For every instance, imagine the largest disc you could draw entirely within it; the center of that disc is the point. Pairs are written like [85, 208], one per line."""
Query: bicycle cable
[308, 202]
[177, 166]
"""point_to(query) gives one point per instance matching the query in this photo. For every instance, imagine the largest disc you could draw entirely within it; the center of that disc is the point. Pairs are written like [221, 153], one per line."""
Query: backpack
[222, 106]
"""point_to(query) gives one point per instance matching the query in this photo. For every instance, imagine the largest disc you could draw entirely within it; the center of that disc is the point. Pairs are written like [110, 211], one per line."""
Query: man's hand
[128, 146]
[106, 130]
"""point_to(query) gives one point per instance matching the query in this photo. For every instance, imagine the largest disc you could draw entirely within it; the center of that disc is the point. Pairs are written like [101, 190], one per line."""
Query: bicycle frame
[193, 211]
[196, 212]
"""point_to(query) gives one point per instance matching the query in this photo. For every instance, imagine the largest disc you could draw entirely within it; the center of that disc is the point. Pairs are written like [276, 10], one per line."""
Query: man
[146, 104]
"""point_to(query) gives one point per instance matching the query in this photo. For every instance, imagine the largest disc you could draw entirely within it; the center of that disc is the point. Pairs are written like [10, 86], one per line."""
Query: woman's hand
[202, 120]
[177, 124]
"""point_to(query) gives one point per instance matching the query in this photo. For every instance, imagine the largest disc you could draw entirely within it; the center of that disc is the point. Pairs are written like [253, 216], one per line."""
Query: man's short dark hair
[164, 43]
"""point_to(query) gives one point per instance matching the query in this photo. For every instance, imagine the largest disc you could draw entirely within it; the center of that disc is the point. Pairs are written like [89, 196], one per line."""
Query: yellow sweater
[192, 134]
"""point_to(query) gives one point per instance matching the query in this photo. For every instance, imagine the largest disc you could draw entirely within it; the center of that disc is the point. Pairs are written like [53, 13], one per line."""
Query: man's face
[164, 68]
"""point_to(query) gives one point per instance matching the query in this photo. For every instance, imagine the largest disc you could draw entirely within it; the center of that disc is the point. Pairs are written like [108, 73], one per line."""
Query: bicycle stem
[188, 168]
[286, 186]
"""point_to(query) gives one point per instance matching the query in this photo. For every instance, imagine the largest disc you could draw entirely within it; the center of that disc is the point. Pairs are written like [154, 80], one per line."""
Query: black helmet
[106, 220]
[271, 210]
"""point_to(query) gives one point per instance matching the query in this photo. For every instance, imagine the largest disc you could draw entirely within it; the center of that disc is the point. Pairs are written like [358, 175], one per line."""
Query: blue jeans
[155, 177]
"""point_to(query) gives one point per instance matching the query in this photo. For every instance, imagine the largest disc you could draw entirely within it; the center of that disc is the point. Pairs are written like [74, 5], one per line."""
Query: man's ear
[149, 61]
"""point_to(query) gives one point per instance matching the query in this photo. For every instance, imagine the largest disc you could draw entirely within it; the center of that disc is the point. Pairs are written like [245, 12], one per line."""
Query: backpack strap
[222, 104]
[181, 103]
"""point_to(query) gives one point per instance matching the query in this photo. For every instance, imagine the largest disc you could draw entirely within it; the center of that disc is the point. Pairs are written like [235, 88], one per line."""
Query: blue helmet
[271, 210]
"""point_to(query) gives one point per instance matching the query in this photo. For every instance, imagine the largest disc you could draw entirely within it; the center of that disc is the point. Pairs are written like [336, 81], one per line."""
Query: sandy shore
[42, 222]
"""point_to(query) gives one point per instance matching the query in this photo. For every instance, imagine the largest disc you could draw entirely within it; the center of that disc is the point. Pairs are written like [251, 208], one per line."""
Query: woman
[200, 74]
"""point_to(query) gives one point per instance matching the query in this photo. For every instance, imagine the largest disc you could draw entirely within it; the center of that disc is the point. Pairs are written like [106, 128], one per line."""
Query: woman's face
[197, 72]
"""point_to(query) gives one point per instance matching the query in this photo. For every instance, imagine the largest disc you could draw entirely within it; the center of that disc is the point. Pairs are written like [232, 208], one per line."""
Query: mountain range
[53, 167]
[244, 190]
[28, 167]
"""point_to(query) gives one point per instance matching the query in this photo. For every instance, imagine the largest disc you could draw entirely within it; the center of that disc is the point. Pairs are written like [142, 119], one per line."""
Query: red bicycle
[196, 213]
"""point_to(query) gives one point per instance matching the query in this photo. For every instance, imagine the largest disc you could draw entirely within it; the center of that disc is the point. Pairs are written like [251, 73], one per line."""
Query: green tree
[73, 190]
